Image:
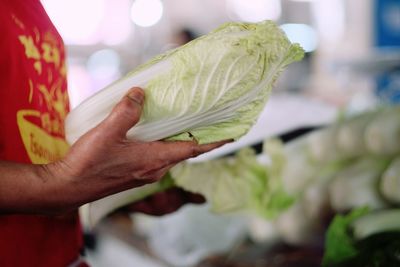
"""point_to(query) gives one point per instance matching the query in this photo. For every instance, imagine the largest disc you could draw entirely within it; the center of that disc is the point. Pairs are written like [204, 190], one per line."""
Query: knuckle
[148, 168]
[152, 167]
[130, 106]
[152, 179]
[160, 163]
[195, 151]
[158, 176]
[126, 104]
[155, 165]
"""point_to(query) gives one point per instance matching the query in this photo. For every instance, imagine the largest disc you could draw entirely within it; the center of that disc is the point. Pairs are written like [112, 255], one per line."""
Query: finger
[166, 202]
[159, 174]
[186, 196]
[158, 204]
[126, 113]
[194, 198]
[141, 206]
[208, 147]
[175, 152]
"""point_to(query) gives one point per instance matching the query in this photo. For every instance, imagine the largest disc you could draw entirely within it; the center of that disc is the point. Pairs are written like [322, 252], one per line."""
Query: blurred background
[352, 65]
[106, 39]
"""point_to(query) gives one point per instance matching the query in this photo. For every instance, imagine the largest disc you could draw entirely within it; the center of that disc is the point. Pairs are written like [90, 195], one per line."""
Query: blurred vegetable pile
[352, 169]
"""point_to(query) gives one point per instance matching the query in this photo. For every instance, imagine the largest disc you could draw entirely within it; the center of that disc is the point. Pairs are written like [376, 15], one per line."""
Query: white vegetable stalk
[93, 212]
[323, 146]
[390, 182]
[356, 186]
[262, 231]
[210, 89]
[295, 227]
[376, 222]
[383, 133]
[350, 134]
[316, 200]
[298, 171]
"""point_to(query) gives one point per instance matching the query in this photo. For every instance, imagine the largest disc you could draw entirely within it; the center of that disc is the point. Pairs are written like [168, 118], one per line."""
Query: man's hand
[100, 163]
[164, 202]
[103, 161]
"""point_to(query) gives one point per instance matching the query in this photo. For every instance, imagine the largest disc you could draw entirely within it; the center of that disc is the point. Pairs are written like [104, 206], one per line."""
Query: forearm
[48, 189]
[29, 188]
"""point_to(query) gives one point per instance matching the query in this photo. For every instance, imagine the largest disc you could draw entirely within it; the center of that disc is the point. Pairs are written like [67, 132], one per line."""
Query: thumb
[126, 113]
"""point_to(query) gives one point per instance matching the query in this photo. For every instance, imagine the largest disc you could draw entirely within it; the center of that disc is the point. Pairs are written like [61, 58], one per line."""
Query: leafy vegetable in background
[376, 222]
[210, 89]
[350, 141]
[364, 239]
[382, 133]
[352, 163]
[239, 183]
[276, 199]
[339, 246]
[229, 184]
[390, 182]
[341, 156]
[356, 184]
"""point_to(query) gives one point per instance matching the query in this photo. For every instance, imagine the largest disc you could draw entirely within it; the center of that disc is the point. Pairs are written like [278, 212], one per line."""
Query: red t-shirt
[33, 105]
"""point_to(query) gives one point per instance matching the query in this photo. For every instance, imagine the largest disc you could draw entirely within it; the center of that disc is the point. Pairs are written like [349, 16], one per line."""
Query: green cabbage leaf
[364, 238]
[240, 183]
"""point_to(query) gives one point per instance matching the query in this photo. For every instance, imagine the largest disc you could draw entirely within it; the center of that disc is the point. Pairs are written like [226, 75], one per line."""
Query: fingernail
[136, 96]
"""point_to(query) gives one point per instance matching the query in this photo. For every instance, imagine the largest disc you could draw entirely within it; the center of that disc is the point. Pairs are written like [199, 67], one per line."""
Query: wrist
[38, 189]
[74, 185]
[59, 188]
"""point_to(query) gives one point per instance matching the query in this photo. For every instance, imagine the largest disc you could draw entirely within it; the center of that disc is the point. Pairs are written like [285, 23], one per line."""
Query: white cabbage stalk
[298, 171]
[295, 227]
[376, 222]
[262, 231]
[300, 223]
[356, 185]
[322, 145]
[210, 89]
[350, 134]
[390, 182]
[92, 213]
[316, 200]
[383, 133]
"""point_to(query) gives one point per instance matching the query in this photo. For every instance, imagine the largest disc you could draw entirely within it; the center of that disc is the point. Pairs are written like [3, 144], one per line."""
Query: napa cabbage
[209, 90]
